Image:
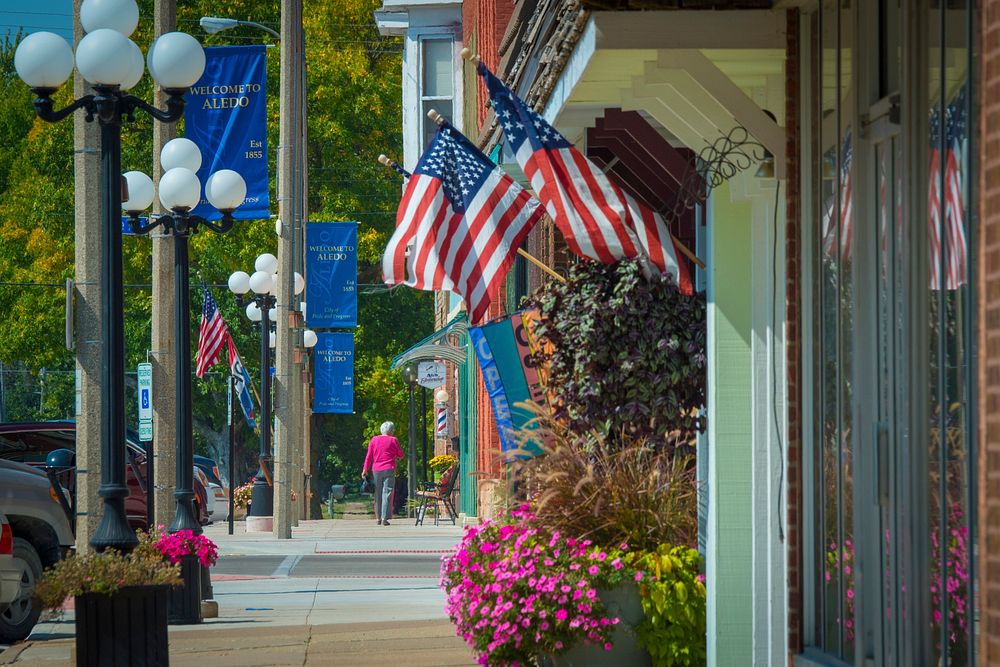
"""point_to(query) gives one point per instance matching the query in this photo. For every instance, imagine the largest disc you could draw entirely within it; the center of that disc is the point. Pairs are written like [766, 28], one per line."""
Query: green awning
[436, 345]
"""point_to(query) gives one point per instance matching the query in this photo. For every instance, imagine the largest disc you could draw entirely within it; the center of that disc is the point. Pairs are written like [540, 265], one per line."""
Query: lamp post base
[260, 524]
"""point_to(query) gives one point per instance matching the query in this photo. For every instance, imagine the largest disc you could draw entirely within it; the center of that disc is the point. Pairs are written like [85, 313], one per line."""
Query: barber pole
[441, 420]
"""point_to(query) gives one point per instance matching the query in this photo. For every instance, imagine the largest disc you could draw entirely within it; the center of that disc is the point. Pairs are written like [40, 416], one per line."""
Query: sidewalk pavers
[289, 614]
[429, 643]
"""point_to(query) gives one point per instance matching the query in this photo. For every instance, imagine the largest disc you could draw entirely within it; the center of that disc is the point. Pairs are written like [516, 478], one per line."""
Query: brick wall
[793, 331]
[484, 23]
[988, 317]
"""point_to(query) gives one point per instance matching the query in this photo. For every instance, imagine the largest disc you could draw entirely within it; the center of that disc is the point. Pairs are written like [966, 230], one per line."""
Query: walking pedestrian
[383, 451]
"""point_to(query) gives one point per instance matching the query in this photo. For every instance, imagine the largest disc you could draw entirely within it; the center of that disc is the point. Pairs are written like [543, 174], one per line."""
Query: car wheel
[20, 617]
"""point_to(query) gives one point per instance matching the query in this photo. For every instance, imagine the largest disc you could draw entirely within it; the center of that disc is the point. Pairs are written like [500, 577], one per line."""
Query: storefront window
[948, 309]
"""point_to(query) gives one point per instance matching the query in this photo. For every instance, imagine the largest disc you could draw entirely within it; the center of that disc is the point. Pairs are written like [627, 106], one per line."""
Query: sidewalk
[340, 592]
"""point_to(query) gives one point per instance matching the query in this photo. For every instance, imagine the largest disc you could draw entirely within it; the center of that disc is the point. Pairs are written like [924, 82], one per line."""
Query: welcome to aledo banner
[511, 380]
[225, 114]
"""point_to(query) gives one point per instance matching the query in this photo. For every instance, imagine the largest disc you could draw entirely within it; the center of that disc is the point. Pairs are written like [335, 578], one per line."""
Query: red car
[32, 442]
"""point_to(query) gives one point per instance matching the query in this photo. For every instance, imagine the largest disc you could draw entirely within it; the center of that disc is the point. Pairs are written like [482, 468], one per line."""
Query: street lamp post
[180, 192]
[261, 309]
[112, 64]
[410, 376]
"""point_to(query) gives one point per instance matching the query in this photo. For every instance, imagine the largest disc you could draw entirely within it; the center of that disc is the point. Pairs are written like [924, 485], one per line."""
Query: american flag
[953, 228]
[459, 223]
[845, 216]
[597, 219]
[212, 334]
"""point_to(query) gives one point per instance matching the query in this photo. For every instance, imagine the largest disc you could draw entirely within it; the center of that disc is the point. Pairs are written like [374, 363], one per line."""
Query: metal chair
[438, 493]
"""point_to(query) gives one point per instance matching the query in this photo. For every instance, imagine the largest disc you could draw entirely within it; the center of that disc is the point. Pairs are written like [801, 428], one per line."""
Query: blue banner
[333, 372]
[332, 275]
[494, 389]
[225, 114]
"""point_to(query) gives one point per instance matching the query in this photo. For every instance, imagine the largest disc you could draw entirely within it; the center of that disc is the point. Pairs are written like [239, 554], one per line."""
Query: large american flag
[953, 227]
[459, 223]
[598, 220]
[212, 334]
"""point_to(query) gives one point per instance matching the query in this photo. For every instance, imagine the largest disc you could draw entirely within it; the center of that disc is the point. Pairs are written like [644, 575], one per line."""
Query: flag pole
[392, 164]
[475, 59]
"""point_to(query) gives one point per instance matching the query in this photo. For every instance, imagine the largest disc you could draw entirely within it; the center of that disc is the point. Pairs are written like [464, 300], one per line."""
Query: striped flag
[955, 247]
[212, 334]
[598, 220]
[845, 216]
[459, 223]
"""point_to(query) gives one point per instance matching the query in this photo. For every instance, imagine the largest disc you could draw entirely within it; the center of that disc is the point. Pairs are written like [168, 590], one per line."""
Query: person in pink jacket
[383, 450]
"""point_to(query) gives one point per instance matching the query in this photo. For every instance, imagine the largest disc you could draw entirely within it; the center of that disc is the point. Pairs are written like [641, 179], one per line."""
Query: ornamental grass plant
[106, 573]
[630, 493]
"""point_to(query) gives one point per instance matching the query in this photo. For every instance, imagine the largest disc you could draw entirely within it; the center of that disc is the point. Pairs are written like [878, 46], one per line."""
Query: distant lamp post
[264, 285]
[180, 193]
[112, 64]
[410, 377]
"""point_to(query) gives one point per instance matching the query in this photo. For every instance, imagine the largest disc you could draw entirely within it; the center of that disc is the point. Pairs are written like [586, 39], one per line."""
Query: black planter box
[124, 629]
[185, 601]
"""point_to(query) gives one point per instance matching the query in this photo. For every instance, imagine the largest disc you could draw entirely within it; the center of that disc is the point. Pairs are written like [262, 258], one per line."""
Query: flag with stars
[598, 220]
[212, 334]
[947, 212]
[459, 223]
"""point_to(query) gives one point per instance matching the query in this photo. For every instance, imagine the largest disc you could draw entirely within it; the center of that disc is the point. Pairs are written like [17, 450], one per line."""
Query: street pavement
[340, 592]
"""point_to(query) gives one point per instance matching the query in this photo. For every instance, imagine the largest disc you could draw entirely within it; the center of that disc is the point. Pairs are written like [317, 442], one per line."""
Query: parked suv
[32, 442]
[10, 570]
[40, 535]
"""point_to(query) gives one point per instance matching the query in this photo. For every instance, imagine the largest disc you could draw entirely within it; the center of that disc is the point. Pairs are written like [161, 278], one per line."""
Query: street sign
[430, 374]
[144, 372]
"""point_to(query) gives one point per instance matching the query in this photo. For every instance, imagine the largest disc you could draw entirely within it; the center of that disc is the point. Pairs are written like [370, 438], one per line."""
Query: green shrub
[673, 597]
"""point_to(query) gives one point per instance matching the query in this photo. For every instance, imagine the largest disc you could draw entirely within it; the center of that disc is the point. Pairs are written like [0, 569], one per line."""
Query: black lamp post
[410, 377]
[180, 192]
[261, 309]
[113, 64]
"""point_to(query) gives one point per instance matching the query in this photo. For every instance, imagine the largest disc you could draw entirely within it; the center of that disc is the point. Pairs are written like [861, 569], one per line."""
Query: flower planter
[624, 602]
[185, 601]
[126, 628]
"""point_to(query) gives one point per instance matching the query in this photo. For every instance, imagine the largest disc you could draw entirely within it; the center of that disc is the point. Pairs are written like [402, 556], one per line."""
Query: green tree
[354, 113]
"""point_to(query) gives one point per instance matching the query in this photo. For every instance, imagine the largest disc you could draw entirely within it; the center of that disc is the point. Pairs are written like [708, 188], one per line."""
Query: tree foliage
[625, 354]
[354, 113]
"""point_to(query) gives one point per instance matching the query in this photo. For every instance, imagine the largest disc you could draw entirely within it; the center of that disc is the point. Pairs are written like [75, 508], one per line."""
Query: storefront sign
[430, 374]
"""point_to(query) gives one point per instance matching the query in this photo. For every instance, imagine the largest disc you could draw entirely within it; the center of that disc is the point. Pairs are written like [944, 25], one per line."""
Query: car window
[34, 446]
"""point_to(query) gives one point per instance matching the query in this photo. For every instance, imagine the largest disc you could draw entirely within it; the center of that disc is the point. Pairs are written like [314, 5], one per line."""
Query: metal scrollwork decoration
[715, 164]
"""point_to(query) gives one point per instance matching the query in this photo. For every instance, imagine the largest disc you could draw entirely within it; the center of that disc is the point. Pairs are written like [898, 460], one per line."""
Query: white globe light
[43, 60]
[300, 283]
[140, 192]
[239, 282]
[309, 338]
[180, 152]
[272, 339]
[226, 190]
[302, 309]
[180, 188]
[176, 60]
[138, 67]
[277, 226]
[266, 262]
[102, 57]
[441, 396]
[260, 282]
[119, 15]
[272, 314]
[253, 312]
